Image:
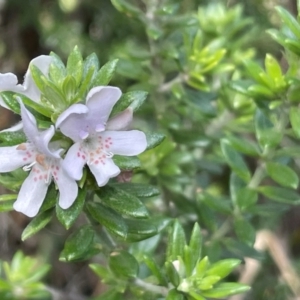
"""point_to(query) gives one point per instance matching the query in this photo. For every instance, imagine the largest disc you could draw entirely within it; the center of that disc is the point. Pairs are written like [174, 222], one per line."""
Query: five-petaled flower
[43, 159]
[96, 138]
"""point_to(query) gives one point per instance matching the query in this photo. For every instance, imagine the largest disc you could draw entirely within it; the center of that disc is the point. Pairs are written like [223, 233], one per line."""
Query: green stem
[258, 176]
[155, 289]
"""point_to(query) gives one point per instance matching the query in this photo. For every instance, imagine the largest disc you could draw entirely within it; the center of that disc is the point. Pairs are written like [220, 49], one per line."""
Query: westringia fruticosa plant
[73, 152]
[165, 215]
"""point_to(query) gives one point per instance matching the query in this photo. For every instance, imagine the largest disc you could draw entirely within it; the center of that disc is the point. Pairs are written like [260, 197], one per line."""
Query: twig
[268, 241]
[155, 289]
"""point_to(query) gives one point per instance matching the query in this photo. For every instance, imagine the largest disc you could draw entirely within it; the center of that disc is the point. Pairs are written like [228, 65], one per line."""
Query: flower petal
[30, 89]
[67, 186]
[72, 121]
[126, 143]
[121, 121]
[40, 139]
[9, 82]
[104, 171]
[100, 101]
[31, 195]
[75, 161]
[12, 159]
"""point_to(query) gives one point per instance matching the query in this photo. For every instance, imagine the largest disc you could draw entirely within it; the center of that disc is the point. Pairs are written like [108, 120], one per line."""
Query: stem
[258, 176]
[221, 231]
[219, 123]
[168, 85]
[155, 289]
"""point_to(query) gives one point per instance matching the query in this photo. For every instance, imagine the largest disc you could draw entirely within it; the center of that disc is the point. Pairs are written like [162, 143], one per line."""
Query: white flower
[45, 163]
[96, 138]
[9, 81]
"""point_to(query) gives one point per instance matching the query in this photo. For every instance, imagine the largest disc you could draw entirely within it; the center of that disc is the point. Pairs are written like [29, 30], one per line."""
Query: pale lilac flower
[9, 81]
[96, 138]
[43, 161]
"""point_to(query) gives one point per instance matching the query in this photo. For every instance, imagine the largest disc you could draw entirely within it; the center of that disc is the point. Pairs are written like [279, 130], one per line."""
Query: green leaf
[279, 194]
[137, 189]
[54, 96]
[282, 174]
[85, 85]
[207, 282]
[10, 101]
[246, 197]
[91, 63]
[37, 76]
[57, 69]
[12, 138]
[289, 20]
[235, 160]
[257, 90]
[243, 145]
[295, 120]
[127, 163]
[265, 132]
[123, 264]
[75, 65]
[223, 267]
[109, 218]
[188, 260]
[226, 289]
[69, 88]
[125, 7]
[8, 197]
[101, 271]
[176, 242]
[45, 111]
[244, 231]
[155, 269]
[105, 74]
[202, 266]
[255, 71]
[78, 244]
[274, 71]
[175, 295]
[50, 199]
[216, 203]
[67, 217]
[154, 139]
[172, 273]
[6, 205]
[139, 230]
[195, 295]
[196, 243]
[11, 182]
[122, 202]
[36, 224]
[133, 99]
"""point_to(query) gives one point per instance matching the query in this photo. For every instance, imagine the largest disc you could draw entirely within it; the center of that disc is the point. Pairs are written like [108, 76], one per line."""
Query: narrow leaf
[36, 224]
[176, 242]
[122, 202]
[105, 74]
[235, 161]
[67, 217]
[282, 174]
[123, 264]
[109, 218]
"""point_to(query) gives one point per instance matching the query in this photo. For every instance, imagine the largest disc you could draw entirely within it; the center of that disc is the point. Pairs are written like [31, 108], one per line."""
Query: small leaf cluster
[184, 275]
[21, 279]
